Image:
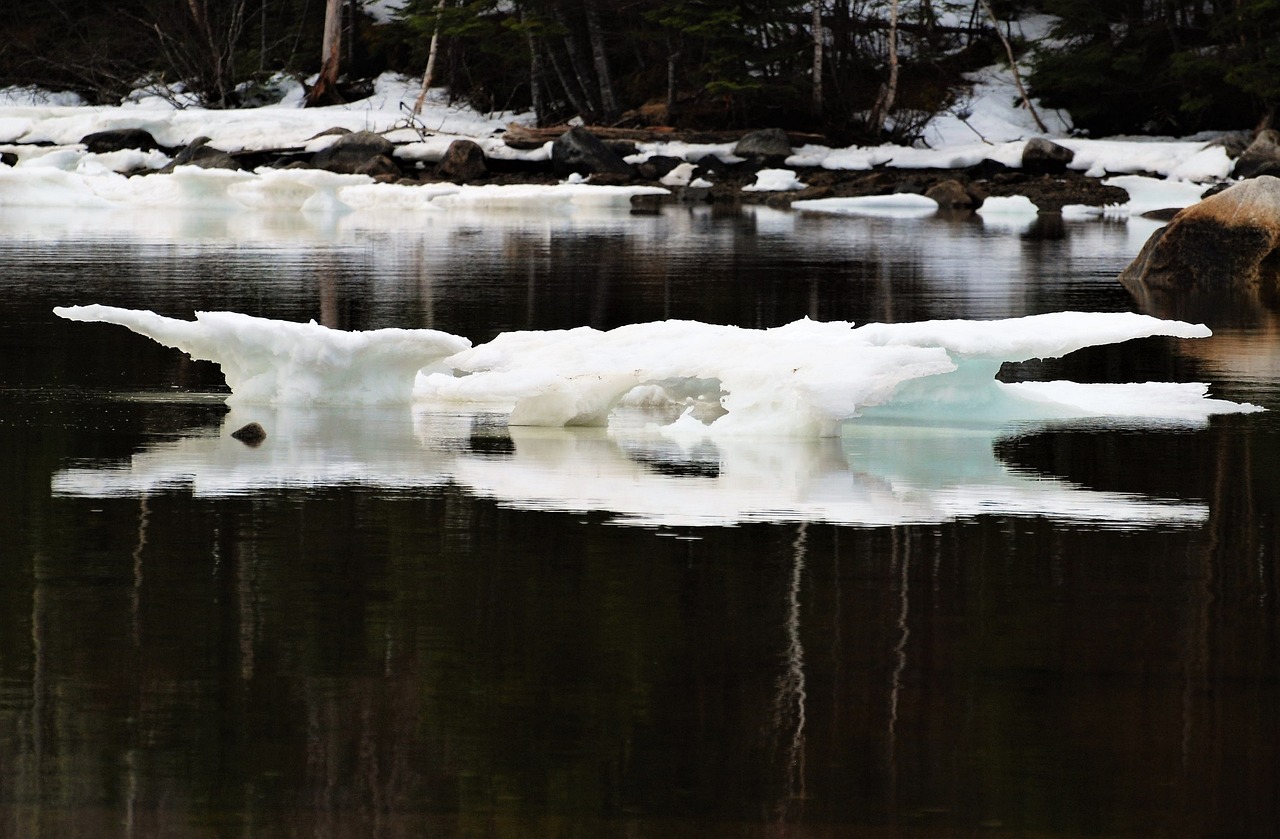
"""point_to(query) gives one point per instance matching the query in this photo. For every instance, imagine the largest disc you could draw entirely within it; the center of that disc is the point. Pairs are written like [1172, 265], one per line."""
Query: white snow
[1007, 205]
[987, 124]
[804, 379]
[775, 180]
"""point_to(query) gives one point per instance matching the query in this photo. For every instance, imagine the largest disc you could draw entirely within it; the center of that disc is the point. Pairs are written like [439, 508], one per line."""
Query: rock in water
[251, 434]
[1224, 245]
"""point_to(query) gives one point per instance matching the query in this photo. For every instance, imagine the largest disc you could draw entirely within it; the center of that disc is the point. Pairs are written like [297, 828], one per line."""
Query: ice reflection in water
[875, 475]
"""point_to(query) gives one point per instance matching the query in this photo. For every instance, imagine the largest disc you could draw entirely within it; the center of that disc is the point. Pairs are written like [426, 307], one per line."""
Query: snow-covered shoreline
[48, 165]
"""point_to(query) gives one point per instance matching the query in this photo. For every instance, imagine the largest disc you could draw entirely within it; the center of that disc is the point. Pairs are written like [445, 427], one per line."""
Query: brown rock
[463, 162]
[251, 435]
[950, 194]
[1225, 244]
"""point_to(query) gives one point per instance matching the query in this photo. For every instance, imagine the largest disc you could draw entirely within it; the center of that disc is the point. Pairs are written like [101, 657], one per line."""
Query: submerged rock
[1227, 244]
[251, 434]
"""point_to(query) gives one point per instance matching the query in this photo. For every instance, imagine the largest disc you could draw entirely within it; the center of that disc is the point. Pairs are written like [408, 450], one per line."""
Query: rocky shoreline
[1044, 176]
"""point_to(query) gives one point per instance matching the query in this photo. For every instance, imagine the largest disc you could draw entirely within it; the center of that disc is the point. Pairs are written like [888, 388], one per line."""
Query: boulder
[1262, 157]
[251, 435]
[1227, 244]
[463, 162]
[951, 195]
[578, 151]
[1044, 157]
[710, 168]
[199, 153]
[118, 139]
[8, 158]
[768, 147]
[351, 151]
[657, 167]
[381, 168]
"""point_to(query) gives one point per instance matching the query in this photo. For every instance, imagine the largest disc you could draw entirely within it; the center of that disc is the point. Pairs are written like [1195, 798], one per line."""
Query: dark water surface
[390, 624]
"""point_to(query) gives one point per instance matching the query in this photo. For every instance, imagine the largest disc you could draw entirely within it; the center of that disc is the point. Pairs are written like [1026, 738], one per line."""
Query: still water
[390, 623]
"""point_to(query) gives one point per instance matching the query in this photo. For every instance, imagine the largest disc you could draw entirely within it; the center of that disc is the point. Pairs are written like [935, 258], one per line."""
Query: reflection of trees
[349, 663]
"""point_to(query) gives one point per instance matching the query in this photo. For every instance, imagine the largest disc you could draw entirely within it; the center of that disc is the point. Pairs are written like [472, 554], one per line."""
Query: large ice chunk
[802, 379]
[278, 362]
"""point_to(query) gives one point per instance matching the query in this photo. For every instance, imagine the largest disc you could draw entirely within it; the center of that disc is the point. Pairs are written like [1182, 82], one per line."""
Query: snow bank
[803, 379]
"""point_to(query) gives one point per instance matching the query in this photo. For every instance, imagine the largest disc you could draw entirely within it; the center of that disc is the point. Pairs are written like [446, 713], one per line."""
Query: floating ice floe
[804, 379]
[900, 205]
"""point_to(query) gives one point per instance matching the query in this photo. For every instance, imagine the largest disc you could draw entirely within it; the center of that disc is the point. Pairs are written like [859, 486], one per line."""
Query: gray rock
[581, 152]
[1044, 157]
[769, 146]
[199, 153]
[463, 162]
[1226, 244]
[8, 158]
[118, 139]
[351, 151]
[1262, 157]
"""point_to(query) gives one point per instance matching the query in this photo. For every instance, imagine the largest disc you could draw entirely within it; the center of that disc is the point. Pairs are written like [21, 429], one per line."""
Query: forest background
[855, 71]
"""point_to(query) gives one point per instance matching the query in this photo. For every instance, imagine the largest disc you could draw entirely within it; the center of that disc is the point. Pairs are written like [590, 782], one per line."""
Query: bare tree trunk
[819, 37]
[889, 91]
[431, 61]
[537, 80]
[1013, 65]
[325, 90]
[673, 61]
[600, 58]
[578, 64]
[567, 85]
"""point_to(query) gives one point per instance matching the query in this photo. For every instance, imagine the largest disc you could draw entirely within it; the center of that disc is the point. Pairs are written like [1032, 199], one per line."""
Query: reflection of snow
[877, 475]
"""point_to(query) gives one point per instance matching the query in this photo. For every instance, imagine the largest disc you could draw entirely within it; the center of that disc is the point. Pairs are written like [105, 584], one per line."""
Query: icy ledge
[802, 379]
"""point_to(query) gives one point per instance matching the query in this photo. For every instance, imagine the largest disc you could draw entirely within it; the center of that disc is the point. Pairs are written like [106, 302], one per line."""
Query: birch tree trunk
[1013, 65]
[889, 91]
[429, 73]
[325, 90]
